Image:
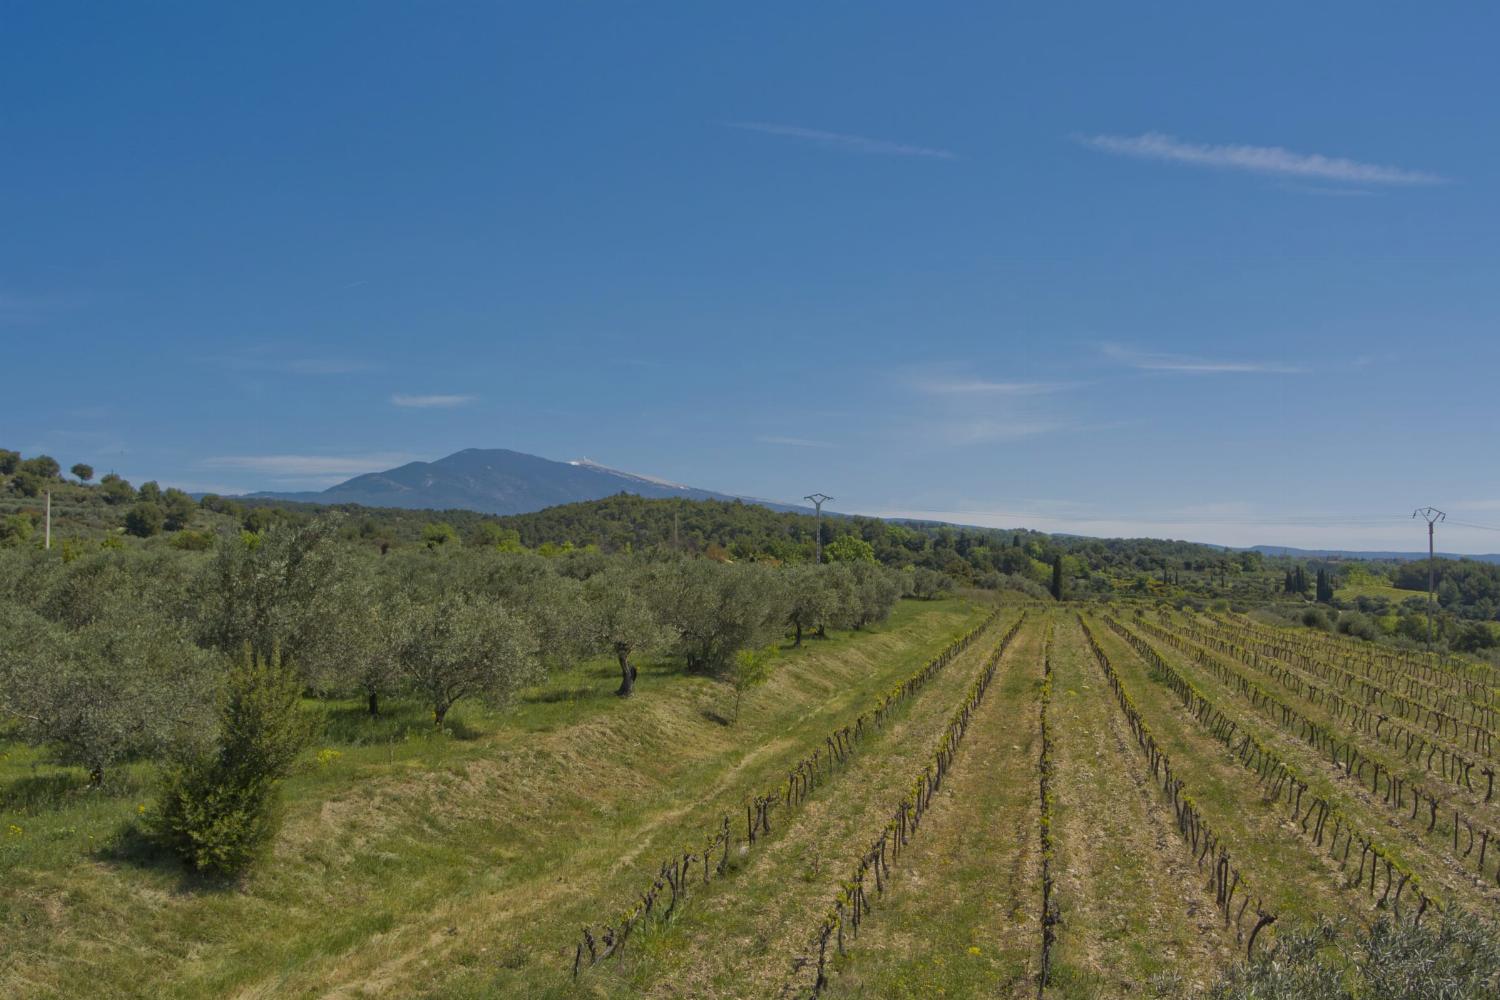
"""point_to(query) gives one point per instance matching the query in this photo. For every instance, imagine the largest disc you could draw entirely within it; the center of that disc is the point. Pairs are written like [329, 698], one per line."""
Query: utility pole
[1432, 516]
[819, 499]
[47, 544]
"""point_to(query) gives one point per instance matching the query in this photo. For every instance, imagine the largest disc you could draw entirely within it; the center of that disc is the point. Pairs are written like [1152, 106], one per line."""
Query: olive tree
[272, 591]
[357, 648]
[717, 609]
[122, 686]
[929, 584]
[808, 597]
[464, 645]
[861, 593]
[618, 620]
[552, 604]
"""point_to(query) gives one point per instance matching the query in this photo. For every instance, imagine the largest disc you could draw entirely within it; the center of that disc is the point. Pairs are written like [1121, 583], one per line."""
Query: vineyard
[1022, 800]
[1095, 802]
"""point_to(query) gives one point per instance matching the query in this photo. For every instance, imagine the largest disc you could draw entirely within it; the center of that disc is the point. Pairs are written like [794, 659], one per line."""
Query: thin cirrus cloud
[1256, 159]
[963, 433]
[439, 401]
[310, 466]
[297, 366]
[19, 308]
[1181, 365]
[985, 387]
[791, 442]
[845, 141]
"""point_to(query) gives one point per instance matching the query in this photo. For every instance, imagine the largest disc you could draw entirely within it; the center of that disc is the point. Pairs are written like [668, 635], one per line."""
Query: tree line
[1027, 561]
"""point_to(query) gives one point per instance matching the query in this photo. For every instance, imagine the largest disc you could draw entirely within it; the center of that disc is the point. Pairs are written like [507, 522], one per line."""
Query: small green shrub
[1357, 625]
[144, 520]
[193, 541]
[220, 808]
[1315, 618]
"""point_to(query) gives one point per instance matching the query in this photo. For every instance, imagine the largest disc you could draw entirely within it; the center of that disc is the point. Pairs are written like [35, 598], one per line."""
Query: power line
[1467, 524]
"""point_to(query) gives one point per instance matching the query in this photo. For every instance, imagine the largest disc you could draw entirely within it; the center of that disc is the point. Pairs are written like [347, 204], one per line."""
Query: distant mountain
[1283, 550]
[499, 481]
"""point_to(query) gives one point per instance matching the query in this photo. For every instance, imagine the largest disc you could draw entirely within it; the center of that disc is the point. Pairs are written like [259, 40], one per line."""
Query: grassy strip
[1050, 915]
[1224, 879]
[852, 903]
[1285, 782]
[1349, 761]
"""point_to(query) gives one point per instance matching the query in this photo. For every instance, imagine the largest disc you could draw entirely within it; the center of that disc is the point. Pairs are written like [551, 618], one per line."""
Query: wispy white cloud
[961, 433]
[432, 402]
[1182, 365]
[311, 465]
[1473, 505]
[985, 387]
[328, 366]
[791, 442]
[297, 366]
[845, 141]
[1325, 191]
[1256, 159]
[20, 308]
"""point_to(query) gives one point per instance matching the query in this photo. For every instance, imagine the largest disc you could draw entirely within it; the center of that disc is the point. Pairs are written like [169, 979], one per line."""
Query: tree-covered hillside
[113, 510]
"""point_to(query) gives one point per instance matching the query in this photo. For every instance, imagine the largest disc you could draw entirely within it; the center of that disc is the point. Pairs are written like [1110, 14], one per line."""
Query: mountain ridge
[499, 481]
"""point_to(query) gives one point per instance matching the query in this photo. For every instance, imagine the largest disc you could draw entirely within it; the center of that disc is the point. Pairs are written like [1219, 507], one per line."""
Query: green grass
[1295, 879]
[462, 864]
[411, 858]
[1393, 594]
[1133, 918]
[960, 916]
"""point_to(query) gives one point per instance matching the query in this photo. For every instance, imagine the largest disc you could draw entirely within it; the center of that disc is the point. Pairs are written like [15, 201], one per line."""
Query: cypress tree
[1057, 581]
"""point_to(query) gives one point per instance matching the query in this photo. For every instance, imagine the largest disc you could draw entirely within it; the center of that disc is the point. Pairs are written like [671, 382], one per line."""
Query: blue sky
[1225, 274]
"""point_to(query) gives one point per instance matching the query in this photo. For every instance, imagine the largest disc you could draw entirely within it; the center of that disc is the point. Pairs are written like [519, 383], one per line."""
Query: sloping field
[966, 801]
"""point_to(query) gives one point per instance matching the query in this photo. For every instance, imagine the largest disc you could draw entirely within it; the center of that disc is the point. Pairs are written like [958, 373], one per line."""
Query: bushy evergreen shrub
[219, 807]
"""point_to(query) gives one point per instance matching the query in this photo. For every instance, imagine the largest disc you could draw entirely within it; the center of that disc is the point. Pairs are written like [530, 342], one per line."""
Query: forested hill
[496, 481]
[745, 531]
[728, 530]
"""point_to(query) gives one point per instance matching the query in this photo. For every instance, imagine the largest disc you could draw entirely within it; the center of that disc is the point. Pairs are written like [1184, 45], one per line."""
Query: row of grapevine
[1417, 679]
[1348, 761]
[1465, 697]
[677, 874]
[852, 903]
[1477, 680]
[1458, 720]
[1224, 880]
[1437, 756]
[1050, 915]
[1280, 781]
